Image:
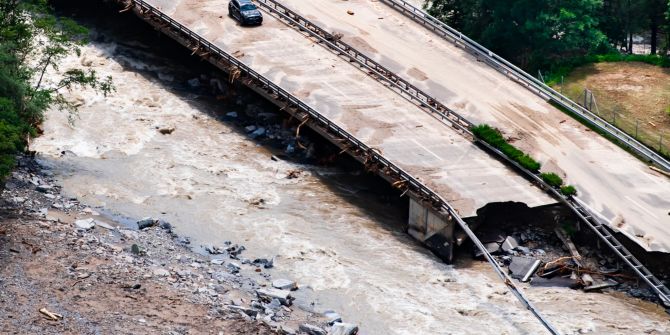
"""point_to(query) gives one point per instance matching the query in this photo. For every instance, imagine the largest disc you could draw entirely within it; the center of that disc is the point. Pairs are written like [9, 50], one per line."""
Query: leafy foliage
[546, 34]
[531, 33]
[552, 179]
[493, 137]
[33, 41]
[568, 190]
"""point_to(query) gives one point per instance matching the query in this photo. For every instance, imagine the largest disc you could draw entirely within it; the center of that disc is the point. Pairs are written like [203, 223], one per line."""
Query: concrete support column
[433, 228]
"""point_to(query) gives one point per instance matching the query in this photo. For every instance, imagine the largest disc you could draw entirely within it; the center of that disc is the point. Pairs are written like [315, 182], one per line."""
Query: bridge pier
[433, 228]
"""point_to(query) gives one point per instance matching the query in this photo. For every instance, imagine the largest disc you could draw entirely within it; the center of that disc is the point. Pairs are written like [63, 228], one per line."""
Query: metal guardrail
[406, 90]
[530, 82]
[375, 69]
[168, 23]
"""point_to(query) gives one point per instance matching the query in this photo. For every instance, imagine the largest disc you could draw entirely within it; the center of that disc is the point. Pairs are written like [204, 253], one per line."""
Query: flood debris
[50, 315]
[311, 329]
[549, 258]
[563, 236]
[600, 284]
[509, 244]
[166, 130]
[523, 268]
[343, 329]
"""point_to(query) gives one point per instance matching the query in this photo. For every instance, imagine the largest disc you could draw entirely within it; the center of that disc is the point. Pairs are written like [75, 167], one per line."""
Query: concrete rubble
[551, 258]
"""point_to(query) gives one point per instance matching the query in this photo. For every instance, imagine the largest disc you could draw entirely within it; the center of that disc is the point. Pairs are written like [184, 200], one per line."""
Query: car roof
[244, 2]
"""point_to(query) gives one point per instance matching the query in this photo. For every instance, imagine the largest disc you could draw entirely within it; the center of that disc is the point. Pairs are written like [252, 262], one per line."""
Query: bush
[529, 163]
[493, 137]
[552, 179]
[568, 190]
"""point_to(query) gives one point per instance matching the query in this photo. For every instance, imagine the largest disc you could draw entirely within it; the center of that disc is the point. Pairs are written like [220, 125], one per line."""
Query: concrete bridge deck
[437, 155]
[633, 198]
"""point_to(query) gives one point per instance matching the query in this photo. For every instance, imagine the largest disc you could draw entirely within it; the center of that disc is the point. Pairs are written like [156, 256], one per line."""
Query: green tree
[531, 33]
[655, 11]
[32, 41]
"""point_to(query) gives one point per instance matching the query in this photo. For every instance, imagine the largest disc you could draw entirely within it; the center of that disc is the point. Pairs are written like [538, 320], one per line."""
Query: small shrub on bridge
[552, 179]
[529, 163]
[493, 137]
[568, 190]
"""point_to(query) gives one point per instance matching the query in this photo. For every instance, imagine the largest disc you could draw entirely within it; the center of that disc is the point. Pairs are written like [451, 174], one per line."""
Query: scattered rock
[44, 188]
[343, 329]
[311, 329]
[104, 225]
[332, 317]
[268, 264]
[523, 250]
[523, 268]
[231, 114]
[284, 284]
[195, 82]
[509, 244]
[146, 223]
[258, 132]
[491, 247]
[217, 261]
[85, 224]
[268, 294]
[248, 311]
[161, 273]
[165, 226]
[232, 267]
[135, 249]
[167, 130]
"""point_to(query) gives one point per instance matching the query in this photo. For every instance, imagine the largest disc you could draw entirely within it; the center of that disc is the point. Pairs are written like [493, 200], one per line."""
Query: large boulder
[311, 329]
[343, 329]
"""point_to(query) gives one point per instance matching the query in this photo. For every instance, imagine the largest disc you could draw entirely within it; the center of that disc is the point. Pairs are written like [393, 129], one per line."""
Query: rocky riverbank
[70, 269]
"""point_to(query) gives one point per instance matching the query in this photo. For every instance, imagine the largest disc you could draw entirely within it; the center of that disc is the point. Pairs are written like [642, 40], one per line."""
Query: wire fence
[650, 133]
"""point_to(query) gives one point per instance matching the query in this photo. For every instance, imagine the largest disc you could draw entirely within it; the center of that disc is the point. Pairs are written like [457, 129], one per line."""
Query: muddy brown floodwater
[344, 246]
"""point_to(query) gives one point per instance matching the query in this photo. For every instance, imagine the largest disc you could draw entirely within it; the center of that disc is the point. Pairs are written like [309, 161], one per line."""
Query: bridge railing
[527, 80]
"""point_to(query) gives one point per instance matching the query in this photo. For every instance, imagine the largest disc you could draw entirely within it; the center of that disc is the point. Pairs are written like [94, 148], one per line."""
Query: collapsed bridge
[395, 126]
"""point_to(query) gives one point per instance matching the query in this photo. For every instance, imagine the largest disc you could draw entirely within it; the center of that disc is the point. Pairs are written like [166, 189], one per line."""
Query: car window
[248, 7]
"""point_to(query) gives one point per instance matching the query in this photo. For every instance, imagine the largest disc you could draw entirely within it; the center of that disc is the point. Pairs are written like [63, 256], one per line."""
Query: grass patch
[568, 190]
[493, 137]
[564, 68]
[552, 179]
[605, 134]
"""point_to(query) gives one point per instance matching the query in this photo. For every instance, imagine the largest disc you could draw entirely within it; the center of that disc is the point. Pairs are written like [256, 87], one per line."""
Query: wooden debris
[576, 257]
[167, 131]
[50, 315]
[667, 174]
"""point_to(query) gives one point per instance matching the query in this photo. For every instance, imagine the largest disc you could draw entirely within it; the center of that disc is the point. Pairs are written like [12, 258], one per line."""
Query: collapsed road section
[421, 225]
[614, 185]
[592, 219]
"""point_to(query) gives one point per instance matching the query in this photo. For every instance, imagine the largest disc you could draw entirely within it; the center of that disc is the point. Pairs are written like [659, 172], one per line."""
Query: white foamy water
[347, 252]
